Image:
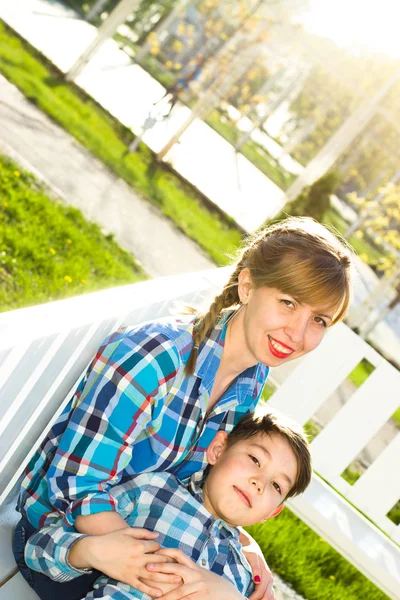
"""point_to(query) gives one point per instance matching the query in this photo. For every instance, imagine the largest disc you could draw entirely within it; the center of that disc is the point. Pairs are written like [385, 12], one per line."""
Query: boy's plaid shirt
[157, 502]
[134, 411]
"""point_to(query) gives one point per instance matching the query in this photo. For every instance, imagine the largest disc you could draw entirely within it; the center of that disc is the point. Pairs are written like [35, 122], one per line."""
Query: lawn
[306, 561]
[361, 372]
[107, 139]
[48, 250]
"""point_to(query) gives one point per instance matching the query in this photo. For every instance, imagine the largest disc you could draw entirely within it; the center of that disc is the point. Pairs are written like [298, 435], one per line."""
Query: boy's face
[248, 481]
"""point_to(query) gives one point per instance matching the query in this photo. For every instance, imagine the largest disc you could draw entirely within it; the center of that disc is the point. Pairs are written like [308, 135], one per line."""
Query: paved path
[82, 181]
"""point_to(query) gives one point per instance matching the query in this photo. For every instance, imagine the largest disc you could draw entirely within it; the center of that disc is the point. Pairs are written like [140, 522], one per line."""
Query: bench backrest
[45, 349]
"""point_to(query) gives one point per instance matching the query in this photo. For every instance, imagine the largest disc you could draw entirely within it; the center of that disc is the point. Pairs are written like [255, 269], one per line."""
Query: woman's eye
[287, 302]
[277, 487]
[255, 460]
[320, 321]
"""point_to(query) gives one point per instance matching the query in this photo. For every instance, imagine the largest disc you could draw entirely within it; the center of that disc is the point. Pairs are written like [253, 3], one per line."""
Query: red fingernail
[257, 579]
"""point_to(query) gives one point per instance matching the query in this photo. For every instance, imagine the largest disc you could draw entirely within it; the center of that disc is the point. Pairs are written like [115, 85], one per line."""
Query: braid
[206, 322]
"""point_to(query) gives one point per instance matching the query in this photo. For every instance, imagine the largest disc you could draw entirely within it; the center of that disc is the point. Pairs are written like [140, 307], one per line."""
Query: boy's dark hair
[251, 425]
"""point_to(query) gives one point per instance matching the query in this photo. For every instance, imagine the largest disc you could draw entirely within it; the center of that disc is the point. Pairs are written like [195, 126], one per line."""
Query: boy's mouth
[243, 496]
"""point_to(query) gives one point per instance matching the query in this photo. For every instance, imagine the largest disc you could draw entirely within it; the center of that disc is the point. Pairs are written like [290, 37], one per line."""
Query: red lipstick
[275, 352]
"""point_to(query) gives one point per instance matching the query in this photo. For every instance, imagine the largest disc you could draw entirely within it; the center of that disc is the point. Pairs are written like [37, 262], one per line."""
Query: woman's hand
[122, 555]
[262, 576]
[198, 583]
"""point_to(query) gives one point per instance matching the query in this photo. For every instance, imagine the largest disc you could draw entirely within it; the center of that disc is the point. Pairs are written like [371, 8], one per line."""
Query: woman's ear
[244, 285]
[216, 448]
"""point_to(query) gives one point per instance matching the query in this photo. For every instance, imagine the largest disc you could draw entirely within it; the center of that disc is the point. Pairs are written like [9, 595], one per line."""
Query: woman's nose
[296, 329]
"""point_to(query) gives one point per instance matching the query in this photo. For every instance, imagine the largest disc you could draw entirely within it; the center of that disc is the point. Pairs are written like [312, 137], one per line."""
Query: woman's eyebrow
[323, 315]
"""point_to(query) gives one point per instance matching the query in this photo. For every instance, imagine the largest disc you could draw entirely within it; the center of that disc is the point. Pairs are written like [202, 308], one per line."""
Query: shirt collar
[195, 487]
[209, 358]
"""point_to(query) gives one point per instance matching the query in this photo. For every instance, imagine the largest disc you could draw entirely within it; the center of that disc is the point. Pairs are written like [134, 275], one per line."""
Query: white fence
[308, 387]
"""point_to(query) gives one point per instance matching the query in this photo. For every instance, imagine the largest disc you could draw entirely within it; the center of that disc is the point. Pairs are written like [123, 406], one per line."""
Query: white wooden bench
[45, 349]
[43, 352]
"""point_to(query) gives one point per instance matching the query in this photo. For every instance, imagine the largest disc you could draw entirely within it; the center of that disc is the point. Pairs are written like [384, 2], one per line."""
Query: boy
[263, 461]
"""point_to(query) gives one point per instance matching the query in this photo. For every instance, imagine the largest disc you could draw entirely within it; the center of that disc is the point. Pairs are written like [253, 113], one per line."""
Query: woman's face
[277, 327]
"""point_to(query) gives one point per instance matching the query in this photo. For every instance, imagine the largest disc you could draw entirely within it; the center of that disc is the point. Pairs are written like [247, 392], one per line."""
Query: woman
[155, 396]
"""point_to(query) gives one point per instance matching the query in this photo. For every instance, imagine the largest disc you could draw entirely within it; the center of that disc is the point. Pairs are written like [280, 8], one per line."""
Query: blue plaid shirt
[134, 411]
[157, 502]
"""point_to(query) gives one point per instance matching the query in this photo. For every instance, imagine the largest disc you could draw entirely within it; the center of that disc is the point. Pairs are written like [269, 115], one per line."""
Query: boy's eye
[277, 487]
[255, 460]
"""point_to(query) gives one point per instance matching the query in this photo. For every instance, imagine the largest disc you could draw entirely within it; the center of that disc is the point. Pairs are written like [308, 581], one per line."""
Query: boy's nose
[257, 485]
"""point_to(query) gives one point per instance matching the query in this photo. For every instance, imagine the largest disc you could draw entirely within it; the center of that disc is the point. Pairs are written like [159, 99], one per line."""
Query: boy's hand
[198, 583]
[122, 555]
[262, 576]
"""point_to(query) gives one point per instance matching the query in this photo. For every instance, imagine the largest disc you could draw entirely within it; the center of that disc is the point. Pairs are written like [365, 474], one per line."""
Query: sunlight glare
[369, 24]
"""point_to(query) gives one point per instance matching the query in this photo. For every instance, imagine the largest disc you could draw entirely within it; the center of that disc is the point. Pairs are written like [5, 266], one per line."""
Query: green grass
[268, 391]
[394, 513]
[312, 430]
[267, 164]
[350, 475]
[107, 139]
[361, 372]
[48, 250]
[309, 563]
[396, 417]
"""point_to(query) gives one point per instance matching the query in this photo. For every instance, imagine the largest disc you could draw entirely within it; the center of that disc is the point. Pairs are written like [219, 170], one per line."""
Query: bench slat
[351, 534]
[319, 374]
[8, 519]
[17, 589]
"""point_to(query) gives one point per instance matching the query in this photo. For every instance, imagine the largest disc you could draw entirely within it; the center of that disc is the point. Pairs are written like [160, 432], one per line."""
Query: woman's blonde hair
[298, 256]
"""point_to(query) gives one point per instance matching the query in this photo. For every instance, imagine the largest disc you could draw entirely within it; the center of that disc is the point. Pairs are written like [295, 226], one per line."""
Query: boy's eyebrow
[267, 452]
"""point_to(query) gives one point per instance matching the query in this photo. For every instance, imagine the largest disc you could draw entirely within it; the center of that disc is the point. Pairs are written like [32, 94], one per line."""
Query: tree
[313, 201]
[380, 217]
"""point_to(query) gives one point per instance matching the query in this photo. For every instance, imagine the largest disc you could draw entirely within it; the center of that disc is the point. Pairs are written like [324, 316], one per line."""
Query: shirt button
[203, 562]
